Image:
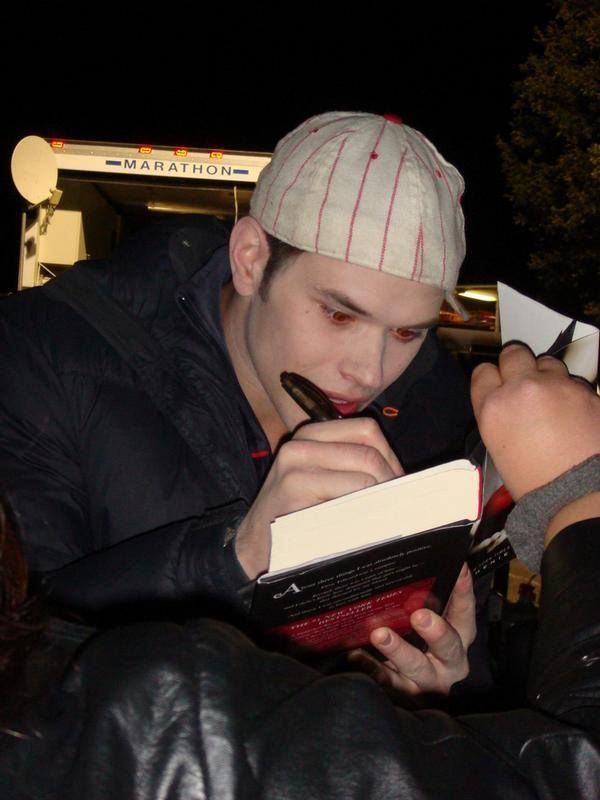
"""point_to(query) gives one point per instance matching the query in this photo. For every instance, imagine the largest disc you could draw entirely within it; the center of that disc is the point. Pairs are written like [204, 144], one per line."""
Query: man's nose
[363, 363]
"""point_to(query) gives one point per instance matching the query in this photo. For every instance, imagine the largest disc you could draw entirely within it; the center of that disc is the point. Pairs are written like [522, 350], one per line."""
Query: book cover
[331, 602]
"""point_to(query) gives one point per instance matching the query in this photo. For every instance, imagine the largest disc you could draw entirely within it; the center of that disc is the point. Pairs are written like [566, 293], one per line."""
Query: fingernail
[423, 619]
[383, 637]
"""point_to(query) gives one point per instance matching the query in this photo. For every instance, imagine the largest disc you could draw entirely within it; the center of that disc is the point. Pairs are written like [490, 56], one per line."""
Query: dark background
[240, 80]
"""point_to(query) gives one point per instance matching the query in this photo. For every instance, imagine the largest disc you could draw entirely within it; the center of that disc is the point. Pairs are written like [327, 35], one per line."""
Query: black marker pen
[309, 397]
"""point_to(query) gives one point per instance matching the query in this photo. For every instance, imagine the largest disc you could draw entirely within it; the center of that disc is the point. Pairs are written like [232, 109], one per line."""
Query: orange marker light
[145, 150]
[180, 151]
[216, 154]
[57, 144]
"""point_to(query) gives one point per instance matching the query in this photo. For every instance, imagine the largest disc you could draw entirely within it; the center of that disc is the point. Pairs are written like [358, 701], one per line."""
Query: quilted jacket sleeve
[40, 468]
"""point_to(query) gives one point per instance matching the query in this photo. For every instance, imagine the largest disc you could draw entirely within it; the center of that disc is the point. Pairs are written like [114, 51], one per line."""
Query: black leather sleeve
[161, 710]
[565, 674]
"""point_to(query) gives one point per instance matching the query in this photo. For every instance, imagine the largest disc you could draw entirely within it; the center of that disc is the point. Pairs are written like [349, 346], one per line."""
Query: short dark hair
[280, 255]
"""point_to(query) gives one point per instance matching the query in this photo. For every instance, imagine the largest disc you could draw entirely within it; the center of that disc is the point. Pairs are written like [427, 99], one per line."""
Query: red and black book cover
[334, 604]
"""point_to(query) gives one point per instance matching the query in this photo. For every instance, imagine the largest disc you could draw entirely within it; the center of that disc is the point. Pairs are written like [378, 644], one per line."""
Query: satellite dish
[34, 169]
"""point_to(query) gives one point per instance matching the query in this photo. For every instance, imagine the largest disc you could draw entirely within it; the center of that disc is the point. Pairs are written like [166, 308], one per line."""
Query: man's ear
[248, 253]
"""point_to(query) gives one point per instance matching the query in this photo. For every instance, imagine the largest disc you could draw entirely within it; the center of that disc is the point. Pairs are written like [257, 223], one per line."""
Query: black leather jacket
[160, 711]
[121, 508]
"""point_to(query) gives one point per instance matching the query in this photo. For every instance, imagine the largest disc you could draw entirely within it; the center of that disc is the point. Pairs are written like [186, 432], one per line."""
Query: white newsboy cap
[369, 190]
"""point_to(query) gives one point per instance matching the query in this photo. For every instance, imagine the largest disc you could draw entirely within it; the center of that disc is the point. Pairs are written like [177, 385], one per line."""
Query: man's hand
[322, 461]
[535, 420]
[448, 638]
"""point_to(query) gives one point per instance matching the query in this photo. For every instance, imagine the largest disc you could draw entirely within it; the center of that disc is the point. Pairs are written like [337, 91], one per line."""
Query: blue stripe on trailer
[241, 171]
[110, 163]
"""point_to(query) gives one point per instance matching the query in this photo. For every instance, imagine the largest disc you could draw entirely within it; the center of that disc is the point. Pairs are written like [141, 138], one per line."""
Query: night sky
[230, 81]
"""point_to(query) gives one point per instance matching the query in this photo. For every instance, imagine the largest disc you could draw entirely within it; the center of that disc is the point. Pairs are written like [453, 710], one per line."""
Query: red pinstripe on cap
[392, 198]
[326, 195]
[418, 260]
[296, 177]
[372, 155]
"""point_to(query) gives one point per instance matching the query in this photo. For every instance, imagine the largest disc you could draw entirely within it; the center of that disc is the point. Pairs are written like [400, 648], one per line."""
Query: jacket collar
[203, 291]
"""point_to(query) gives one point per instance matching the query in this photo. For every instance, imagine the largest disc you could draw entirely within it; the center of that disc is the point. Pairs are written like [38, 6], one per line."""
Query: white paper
[538, 326]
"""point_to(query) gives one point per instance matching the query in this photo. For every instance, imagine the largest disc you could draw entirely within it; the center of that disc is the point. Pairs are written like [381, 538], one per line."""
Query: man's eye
[406, 334]
[339, 317]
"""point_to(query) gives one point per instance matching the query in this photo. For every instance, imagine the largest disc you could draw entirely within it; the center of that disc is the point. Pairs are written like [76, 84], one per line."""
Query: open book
[344, 567]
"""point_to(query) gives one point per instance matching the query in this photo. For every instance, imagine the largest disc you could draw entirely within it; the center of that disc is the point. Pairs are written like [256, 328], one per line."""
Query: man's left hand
[448, 638]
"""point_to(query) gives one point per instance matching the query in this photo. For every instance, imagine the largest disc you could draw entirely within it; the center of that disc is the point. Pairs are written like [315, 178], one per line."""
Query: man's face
[350, 330]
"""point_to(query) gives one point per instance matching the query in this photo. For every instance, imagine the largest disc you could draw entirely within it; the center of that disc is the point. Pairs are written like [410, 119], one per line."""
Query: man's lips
[346, 407]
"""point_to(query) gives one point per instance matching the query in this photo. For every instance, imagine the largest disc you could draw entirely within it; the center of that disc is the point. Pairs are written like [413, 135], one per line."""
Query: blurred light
[57, 144]
[479, 294]
[176, 208]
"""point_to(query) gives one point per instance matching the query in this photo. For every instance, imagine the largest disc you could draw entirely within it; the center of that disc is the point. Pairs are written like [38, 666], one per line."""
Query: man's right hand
[322, 461]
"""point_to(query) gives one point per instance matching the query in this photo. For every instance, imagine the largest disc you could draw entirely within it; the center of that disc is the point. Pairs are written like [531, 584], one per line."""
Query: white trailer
[83, 197]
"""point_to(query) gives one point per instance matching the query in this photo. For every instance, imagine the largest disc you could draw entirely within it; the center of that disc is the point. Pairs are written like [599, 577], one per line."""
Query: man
[234, 721]
[147, 473]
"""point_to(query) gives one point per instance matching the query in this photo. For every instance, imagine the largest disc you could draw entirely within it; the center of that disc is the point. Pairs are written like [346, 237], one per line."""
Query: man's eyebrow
[343, 300]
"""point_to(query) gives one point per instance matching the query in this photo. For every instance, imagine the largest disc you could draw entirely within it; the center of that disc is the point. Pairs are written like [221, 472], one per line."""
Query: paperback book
[342, 568]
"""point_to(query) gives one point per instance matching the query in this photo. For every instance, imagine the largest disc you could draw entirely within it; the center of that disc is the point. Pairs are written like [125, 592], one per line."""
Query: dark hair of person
[21, 618]
[281, 254]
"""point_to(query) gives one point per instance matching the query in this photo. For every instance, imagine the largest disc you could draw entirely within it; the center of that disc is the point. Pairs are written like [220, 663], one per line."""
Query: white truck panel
[104, 190]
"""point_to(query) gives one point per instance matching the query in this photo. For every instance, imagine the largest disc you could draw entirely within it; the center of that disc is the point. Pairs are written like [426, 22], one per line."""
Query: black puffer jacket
[157, 711]
[120, 505]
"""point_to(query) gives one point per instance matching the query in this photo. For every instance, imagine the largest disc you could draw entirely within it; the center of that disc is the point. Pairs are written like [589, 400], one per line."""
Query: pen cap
[368, 190]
